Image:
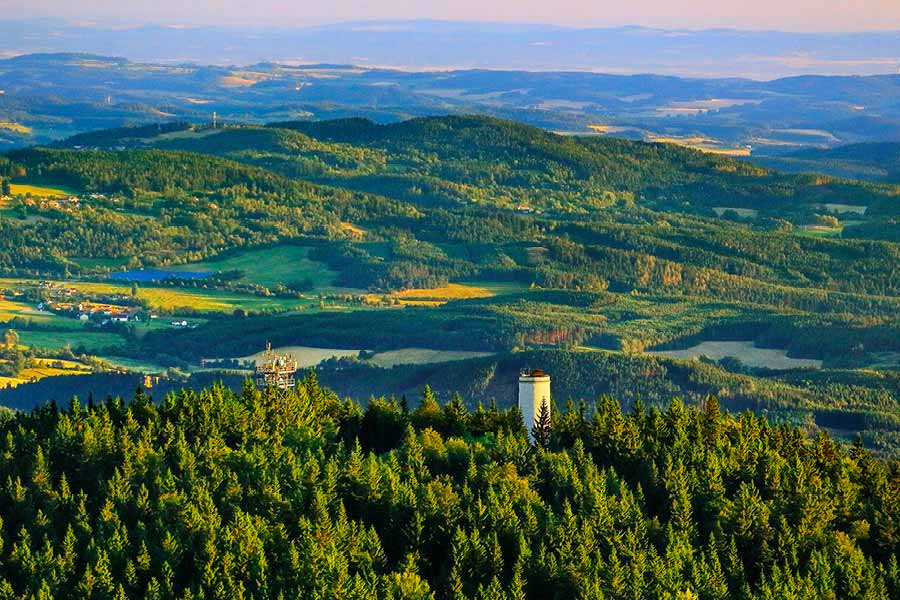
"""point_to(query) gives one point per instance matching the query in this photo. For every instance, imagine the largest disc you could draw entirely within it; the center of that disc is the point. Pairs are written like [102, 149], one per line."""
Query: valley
[390, 256]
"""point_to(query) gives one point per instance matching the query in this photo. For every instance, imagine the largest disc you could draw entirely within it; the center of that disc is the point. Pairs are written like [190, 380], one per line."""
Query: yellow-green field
[456, 291]
[269, 267]
[820, 230]
[10, 309]
[46, 367]
[702, 144]
[22, 189]
[173, 299]
[55, 340]
[139, 366]
[15, 127]
[11, 382]
[451, 291]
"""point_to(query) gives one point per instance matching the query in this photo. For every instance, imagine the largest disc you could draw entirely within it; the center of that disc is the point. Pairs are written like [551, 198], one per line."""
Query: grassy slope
[23, 189]
[269, 267]
[55, 340]
[173, 298]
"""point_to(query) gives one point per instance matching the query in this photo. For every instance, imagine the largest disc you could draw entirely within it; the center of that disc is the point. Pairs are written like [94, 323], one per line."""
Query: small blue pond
[158, 275]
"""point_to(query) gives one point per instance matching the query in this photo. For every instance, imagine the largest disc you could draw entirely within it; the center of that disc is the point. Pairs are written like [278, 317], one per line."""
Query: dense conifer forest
[271, 494]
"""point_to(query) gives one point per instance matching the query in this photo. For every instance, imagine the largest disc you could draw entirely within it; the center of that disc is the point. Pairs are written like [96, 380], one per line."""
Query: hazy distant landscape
[50, 97]
[445, 45]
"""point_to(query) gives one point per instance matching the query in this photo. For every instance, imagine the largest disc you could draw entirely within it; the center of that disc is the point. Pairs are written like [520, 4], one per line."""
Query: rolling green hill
[876, 161]
[469, 159]
[593, 244]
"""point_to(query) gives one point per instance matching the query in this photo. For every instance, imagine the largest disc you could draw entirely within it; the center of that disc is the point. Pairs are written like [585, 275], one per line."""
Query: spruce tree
[543, 427]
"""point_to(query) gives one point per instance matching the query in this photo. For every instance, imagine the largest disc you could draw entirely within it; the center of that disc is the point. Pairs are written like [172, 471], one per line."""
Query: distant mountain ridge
[876, 161]
[47, 97]
[449, 44]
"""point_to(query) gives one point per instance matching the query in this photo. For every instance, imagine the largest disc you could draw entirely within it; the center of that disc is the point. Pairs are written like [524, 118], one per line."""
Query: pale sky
[795, 15]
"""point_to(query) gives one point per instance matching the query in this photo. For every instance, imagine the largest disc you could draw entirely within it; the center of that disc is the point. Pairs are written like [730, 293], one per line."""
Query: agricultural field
[421, 356]
[6, 382]
[741, 212]
[460, 291]
[46, 367]
[306, 356]
[449, 292]
[703, 144]
[171, 299]
[746, 352]
[24, 189]
[823, 231]
[12, 309]
[132, 364]
[201, 300]
[853, 209]
[15, 127]
[91, 341]
[269, 267]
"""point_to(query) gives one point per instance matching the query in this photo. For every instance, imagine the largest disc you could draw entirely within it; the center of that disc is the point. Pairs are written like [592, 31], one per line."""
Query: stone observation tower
[276, 370]
[534, 390]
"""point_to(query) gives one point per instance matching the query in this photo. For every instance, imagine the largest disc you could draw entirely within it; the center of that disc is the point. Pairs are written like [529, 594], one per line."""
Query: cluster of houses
[64, 300]
[55, 202]
[70, 302]
[62, 203]
[57, 290]
[94, 311]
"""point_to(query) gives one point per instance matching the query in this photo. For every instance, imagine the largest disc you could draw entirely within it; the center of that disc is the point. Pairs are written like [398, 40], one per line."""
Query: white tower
[534, 390]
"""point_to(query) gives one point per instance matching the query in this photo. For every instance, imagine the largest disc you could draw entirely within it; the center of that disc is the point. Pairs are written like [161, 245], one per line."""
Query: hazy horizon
[801, 16]
[123, 24]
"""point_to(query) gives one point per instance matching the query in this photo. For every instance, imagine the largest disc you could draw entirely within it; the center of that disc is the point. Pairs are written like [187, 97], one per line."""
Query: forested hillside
[503, 163]
[461, 235]
[874, 161]
[275, 494]
[159, 207]
[50, 96]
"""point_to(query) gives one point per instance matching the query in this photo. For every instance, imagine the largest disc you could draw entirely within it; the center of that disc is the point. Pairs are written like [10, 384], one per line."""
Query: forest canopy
[298, 494]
